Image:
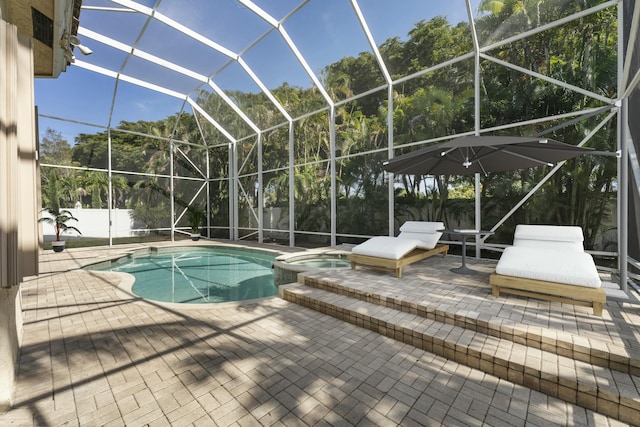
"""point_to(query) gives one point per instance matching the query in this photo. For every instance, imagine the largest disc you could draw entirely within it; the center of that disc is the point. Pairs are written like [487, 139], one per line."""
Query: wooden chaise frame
[396, 264]
[550, 291]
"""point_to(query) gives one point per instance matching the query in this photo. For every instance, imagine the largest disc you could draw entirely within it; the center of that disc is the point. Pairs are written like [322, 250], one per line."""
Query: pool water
[322, 263]
[202, 275]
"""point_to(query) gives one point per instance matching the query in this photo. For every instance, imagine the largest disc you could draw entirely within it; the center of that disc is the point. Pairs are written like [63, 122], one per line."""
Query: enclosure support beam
[334, 189]
[292, 212]
[387, 77]
[110, 187]
[208, 193]
[476, 102]
[391, 180]
[171, 190]
[260, 201]
[233, 193]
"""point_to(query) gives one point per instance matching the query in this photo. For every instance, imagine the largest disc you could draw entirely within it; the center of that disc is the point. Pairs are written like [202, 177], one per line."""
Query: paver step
[590, 350]
[599, 388]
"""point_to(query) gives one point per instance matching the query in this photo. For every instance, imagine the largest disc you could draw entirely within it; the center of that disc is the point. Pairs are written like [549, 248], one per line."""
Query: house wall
[19, 241]
[10, 339]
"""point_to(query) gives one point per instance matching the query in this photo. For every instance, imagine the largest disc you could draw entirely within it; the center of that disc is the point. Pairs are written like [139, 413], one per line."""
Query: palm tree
[95, 184]
[195, 216]
[57, 217]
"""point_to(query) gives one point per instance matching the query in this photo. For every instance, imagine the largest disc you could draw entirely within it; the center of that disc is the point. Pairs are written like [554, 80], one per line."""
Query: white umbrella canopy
[468, 155]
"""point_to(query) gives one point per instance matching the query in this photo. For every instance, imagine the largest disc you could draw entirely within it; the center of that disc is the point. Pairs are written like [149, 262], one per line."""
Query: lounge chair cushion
[423, 240]
[422, 226]
[386, 247]
[550, 265]
[546, 236]
[424, 231]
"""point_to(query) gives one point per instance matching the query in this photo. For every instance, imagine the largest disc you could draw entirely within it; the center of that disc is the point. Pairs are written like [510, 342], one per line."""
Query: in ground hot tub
[286, 267]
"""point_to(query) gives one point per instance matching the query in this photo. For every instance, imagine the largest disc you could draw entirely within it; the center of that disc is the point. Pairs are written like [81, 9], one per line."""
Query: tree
[150, 203]
[54, 149]
[582, 53]
[96, 184]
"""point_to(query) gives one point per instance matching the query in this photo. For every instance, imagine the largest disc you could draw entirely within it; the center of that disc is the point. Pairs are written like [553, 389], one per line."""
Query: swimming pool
[198, 275]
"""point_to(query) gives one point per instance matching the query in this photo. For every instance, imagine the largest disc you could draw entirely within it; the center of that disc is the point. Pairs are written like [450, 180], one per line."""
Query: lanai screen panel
[160, 59]
[252, 105]
[499, 21]
[111, 19]
[276, 65]
[426, 22]
[66, 99]
[338, 38]
[134, 103]
[226, 22]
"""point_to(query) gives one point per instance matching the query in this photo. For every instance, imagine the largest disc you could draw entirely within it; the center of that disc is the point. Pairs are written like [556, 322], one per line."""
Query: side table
[463, 269]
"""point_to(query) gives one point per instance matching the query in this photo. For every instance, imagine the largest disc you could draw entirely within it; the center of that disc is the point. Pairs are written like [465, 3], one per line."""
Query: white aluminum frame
[626, 85]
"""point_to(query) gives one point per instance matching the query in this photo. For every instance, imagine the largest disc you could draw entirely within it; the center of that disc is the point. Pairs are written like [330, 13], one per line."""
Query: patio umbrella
[483, 154]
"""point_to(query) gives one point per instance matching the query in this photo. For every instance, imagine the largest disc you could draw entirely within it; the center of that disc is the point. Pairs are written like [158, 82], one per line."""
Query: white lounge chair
[417, 240]
[548, 262]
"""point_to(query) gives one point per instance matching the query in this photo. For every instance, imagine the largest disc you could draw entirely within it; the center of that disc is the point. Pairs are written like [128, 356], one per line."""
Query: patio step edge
[598, 388]
[595, 352]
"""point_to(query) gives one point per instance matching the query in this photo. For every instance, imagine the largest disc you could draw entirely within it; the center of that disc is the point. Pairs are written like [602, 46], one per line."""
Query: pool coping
[343, 249]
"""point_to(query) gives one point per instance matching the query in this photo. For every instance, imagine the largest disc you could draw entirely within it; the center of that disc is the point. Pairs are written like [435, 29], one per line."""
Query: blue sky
[323, 30]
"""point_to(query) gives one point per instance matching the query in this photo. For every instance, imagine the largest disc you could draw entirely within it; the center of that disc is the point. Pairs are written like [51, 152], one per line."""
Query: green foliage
[54, 149]
[150, 203]
[195, 215]
[582, 53]
[51, 189]
[464, 191]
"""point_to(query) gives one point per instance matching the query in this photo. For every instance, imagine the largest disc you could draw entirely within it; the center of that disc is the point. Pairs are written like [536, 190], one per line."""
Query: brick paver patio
[92, 354]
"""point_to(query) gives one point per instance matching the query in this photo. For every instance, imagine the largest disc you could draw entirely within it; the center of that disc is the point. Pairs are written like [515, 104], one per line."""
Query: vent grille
[42, 27]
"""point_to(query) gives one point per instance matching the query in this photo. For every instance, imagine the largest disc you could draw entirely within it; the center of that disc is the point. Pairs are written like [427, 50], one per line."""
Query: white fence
[94, 223]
